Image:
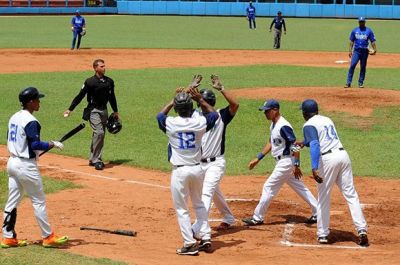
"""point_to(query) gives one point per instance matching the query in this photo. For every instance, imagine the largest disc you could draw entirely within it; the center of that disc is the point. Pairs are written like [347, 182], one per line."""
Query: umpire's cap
[270, 104]
[183, 103]
[28, 94]
[309, 106]
[208, 96]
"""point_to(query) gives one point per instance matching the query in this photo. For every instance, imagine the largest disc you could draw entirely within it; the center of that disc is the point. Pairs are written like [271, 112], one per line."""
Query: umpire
[100, 90]
[279, 21]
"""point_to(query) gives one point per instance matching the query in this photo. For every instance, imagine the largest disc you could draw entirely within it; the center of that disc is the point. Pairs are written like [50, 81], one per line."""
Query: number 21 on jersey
[13, 133]
[186, 140]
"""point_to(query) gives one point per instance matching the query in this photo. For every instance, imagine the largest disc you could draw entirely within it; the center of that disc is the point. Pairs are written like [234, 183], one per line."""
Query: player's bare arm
[267, 148]
[373, 44]
[296, 165]
[351, 44]
[166, 109]
[233, 104]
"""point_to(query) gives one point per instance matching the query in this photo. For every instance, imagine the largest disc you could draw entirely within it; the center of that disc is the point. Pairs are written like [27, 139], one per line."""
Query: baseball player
[213, 148]
[287, 170]
[251, 15]
[279, 21]
[24, 145]
[184, 153]
[100, 90]
[358, 51]
[78, 28]
[330, 164]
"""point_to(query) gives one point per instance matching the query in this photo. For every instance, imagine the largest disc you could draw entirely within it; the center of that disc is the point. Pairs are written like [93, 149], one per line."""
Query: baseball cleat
[53, 241]
[12, 243]
[99, 165]
[360, 85]
[363, 241]
[323, 240]
[347, 86]
[251, 221]
[223, 226]
[205, 245]
[311, 220]
[192, 250]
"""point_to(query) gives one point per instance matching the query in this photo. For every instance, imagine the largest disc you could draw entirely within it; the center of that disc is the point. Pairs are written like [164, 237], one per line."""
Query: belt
[187, 165]
[331, 151]
[208, 160]
[277, 158]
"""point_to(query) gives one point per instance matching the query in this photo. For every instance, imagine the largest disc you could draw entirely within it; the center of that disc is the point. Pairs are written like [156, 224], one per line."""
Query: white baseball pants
[336, 168]
[283, 174]
[24, 176]
[214, 171]
[187, 181]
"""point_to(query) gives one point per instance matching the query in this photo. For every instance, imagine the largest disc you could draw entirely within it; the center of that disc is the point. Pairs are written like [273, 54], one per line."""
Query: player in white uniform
[213, 148]
[184, 153]
[287, 170]
[330, 164]
[24, 145]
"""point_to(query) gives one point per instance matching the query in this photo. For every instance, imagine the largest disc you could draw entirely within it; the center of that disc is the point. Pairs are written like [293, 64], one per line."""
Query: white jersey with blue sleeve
[324, 130]
[23, 137]
[185, 134]
[282, 137]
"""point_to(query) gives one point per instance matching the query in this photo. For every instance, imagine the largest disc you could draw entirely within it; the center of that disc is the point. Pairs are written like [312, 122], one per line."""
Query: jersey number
[186, 140]
[13, 133]
[330, 133]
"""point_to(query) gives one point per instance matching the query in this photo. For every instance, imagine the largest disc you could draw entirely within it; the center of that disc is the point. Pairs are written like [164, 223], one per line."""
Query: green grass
[190, 33]
[36, 255]
[50, 185]
[142, 93]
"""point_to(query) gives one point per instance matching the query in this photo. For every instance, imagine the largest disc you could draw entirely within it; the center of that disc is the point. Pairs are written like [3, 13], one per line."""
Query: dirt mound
[360, 102]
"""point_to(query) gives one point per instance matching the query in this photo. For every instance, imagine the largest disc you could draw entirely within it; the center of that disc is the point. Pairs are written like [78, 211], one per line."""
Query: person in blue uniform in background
[279, 21]
[251, 15]
[358, 51]
[78, 25]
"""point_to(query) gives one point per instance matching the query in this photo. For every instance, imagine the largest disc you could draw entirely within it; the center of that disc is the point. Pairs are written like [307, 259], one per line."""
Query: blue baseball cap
[361, 19]
[78, 11]
[309, 106]
[269, 104]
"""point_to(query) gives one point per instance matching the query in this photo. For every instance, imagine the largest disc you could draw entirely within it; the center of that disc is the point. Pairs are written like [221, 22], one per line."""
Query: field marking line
[99, 176]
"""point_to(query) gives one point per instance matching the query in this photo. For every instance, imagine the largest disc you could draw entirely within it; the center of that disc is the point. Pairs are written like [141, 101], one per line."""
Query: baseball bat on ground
[68, 135]
[117, 232]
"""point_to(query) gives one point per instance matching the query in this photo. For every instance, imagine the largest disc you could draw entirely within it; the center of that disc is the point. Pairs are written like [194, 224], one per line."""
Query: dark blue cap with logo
[361, 19]
[309, 106]
[269, 104]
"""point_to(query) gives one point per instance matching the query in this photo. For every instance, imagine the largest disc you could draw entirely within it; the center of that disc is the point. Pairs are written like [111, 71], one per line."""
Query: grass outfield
[142, 93]
[188, 32]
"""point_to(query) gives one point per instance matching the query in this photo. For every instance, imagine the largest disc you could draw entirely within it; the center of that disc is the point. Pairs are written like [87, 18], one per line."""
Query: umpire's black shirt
[99, 92]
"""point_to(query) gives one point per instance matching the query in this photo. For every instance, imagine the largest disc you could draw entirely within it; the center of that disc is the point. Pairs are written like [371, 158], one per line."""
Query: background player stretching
[184, 153]
[330, 164]
[78, 25]
[24, 145]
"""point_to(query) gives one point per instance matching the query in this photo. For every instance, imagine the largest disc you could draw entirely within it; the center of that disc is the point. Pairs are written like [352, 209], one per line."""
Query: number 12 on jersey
[186, 140]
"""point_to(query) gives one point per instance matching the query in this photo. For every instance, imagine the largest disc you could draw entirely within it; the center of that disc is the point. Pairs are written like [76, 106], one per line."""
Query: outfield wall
[57, 10]
[263, 9]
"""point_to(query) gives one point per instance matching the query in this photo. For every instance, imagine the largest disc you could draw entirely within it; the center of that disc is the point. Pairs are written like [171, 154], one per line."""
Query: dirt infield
[128, 198]
[123, 197]
[56, 60]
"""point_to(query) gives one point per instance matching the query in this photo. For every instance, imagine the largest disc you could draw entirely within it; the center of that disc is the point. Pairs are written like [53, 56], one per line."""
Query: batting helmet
[309, 106]
[28, 94]
[183, 103]
[114, 125]
[208, 96]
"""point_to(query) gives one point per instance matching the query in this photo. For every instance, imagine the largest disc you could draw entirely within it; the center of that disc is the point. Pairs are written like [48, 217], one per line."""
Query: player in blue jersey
[358, 51]
[251, 15]
[78, 29]
[279, 21]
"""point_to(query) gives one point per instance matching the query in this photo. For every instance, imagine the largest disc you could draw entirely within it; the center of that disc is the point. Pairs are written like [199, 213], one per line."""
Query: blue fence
[391, 11]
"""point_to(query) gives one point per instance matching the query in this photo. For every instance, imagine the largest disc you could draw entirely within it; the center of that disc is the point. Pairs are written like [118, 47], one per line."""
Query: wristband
[296, 162]
[260, 156]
